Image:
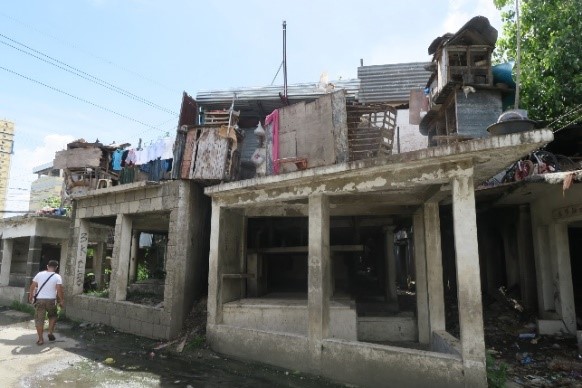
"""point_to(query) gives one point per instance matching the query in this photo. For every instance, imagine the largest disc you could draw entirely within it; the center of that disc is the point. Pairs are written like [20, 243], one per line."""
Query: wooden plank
[188, 155]
[211, 156]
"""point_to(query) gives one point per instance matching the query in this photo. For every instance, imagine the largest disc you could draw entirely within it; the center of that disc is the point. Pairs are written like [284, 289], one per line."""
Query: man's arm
[31, 291]
[60, 295]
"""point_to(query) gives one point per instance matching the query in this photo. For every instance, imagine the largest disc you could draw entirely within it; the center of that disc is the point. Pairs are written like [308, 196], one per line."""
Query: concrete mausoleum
[173, 212]
[28, 243]
[291, 302]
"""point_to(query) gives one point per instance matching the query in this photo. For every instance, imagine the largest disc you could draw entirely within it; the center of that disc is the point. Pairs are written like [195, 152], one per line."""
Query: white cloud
[22, 164]
[461, 11]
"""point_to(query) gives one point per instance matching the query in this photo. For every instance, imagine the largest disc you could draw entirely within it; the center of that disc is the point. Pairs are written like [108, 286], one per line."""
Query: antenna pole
[285, 59]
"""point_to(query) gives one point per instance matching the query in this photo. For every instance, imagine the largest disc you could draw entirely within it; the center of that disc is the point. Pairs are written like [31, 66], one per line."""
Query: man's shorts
[44, 307]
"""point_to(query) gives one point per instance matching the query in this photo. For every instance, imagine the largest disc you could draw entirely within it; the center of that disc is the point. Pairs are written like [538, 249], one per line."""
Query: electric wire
[80, 49]
[82, 74]
[78, 98]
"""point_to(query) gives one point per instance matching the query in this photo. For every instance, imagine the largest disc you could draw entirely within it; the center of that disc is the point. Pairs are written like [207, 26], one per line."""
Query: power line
[79, 98]
[105, 60]
[83, 75]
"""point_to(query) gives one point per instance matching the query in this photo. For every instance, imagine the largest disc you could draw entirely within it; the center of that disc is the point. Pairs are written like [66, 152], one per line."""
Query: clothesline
[162, 149]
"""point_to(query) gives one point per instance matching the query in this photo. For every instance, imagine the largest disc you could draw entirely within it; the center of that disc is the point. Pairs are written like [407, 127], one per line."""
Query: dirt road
[85, 355]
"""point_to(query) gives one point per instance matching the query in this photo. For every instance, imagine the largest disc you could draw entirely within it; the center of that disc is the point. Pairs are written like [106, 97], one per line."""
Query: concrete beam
[563, 275]
[543, 261]
[391, 294]
[120, 274]
[98, 263]
[227, 230]
[388, 178]
[133, 256]
[319, 276]
[434, 264]
[214, 304]
[80, 258]
[7, 247]
[469, 282]
[421, 275]
[33, 260]
[527, 274]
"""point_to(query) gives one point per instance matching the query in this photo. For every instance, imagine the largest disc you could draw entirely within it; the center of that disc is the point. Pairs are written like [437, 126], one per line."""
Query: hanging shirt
[131, 158]
[168, 148]
[116, 161]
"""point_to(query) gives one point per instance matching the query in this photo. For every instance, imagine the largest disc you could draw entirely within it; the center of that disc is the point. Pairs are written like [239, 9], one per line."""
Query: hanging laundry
[168, 148]
[131, 158]
[116, 160]
[274, 119]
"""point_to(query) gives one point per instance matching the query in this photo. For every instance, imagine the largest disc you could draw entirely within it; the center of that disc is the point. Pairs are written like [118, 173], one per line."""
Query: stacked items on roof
[210, 149]
[85, 165]
[307, 134]
[370, 130]
[462, 97]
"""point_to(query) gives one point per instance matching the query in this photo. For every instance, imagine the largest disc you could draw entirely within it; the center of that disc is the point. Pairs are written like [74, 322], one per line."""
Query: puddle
[169, 372]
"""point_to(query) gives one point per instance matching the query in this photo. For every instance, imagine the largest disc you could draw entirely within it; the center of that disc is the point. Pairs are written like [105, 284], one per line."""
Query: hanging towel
[274, 118]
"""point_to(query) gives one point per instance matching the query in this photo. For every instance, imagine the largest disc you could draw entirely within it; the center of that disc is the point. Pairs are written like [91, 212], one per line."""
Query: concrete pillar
[563, 276]
[80, 258]
[391, 294]
[319, 275]
[421, 284]
[527, 274]
[32, 261]
[214, 304]
[7, 247]
[133, 256]
[98, 263]
[119, 277]
[226, 235]
[434, 266]
[544, 270]
[469, 282]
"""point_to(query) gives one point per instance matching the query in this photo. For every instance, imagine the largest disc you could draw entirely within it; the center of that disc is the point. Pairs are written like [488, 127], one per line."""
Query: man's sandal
[39, 342]
[51, 337]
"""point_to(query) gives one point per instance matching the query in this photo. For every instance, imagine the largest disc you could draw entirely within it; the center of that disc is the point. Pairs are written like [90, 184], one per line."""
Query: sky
[115, 70]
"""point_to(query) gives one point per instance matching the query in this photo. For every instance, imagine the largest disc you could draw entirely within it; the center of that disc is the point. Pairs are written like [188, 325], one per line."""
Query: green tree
[551, 56]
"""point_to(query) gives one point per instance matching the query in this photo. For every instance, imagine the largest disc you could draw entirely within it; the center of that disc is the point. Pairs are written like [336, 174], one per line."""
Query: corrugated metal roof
[391, 83]
[260, 101]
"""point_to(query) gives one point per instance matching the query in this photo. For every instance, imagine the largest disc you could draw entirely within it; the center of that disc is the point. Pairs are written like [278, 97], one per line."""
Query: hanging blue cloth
[116, 160]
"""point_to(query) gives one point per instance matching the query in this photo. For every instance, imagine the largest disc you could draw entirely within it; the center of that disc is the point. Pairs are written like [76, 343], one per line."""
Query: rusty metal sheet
[188, 111]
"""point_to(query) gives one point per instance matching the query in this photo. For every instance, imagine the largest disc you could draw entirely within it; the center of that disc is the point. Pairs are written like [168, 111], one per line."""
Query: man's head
[53, 264]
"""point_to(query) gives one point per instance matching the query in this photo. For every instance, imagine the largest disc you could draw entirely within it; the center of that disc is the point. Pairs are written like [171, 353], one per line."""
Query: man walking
[45, 290]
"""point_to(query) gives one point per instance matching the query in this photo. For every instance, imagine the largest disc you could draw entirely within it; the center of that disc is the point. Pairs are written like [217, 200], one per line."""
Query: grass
[496, 372]
[196, 343]
[29, 309]
[22, 307]
[98, 293]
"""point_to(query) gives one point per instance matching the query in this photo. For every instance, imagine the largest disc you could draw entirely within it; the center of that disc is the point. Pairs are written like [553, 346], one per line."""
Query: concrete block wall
[278, 316]
[179, 200]
[127, 317]
[341, 360]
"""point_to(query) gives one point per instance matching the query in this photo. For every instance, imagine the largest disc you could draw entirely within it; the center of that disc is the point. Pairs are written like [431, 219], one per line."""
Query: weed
[98, 293]
[22, 307]
[496, 372]
[196, 343]
[29, 309]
